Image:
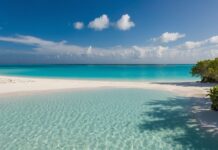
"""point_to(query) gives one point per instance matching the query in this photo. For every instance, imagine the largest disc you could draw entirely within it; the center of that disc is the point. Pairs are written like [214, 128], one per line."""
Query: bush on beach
[207, 70]
[213, 94]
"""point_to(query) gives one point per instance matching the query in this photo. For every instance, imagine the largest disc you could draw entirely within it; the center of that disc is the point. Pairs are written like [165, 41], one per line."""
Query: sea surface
[101, 119]
[99, 72]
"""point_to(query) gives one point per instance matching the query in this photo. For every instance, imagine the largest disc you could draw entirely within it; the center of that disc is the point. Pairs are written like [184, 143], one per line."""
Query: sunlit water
[111, 72]
[101, 119]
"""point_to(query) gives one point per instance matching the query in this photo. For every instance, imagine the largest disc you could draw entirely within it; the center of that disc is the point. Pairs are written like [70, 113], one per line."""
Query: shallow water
[114, 72]
[128, 119]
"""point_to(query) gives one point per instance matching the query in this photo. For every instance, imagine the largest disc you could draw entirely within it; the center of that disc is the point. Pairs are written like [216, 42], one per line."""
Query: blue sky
[105, 31]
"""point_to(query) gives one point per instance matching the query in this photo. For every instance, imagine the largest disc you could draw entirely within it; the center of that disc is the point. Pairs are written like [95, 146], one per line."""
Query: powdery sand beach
[205, 116]
[10, 84]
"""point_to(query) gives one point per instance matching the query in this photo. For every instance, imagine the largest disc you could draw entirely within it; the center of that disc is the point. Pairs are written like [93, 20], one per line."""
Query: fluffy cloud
[124, 23]
[100, 23]
[191, 44]
[160, 50]
[169, 37]
[210, 42]
[63, 52]
[103, 22]
[214, 40]
[78, 25]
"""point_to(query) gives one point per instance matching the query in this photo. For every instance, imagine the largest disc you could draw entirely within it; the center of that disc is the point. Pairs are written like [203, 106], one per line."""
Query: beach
[13, 85]
[10, 84]
[195, 91]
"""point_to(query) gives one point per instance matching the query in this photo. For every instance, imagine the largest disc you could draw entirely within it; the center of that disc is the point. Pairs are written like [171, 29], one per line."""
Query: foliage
[213, 94]
[207, 70]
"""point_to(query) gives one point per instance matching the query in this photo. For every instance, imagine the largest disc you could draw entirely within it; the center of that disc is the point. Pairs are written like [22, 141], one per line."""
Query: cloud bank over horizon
[46, 51]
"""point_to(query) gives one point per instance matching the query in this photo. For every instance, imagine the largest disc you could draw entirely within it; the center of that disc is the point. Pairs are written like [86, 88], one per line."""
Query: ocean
[109, 72]
[101, 119]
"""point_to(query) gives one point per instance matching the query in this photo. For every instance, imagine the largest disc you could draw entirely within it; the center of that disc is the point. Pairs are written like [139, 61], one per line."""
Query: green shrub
[213, 94]
[207, 70]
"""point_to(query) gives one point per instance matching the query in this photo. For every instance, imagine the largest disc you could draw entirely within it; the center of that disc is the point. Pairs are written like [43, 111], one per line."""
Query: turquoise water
[120, 72]
[103, 119]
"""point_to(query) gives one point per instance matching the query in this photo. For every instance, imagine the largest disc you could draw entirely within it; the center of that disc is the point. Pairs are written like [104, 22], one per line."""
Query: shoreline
[10, 85]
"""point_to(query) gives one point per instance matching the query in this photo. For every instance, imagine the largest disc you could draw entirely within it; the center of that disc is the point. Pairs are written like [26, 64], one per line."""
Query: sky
[108, 31]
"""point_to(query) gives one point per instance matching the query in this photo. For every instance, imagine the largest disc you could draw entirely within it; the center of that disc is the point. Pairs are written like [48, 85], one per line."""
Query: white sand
[206, 117]
[23, 84]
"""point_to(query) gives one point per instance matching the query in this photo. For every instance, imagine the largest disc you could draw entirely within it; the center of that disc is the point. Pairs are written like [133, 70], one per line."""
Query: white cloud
[103, 22]
[169, 37]
[26, 39]
[100, 23]
[160, 50]
[200, 44]
[124, 23]
[191, 44]
[70, 53]
[89, 50]
[213, 39]
[44, 46]
[78, 25]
